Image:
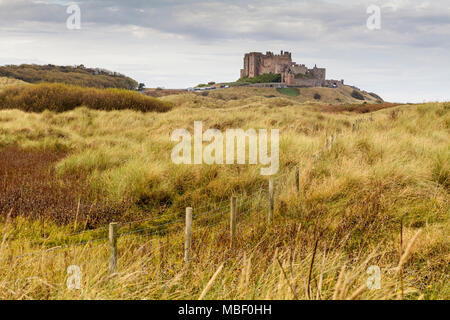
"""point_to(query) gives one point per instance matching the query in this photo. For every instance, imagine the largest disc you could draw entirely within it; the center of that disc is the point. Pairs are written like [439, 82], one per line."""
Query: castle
[292, 74]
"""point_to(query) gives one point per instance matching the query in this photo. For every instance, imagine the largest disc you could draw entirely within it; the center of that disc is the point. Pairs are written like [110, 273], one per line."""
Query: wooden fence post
[113, 247]
[233, 220]
[271, 200]
[188, 236]
[297, 179]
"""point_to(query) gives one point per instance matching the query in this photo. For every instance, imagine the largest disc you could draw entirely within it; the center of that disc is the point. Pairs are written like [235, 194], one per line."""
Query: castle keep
[292, 74]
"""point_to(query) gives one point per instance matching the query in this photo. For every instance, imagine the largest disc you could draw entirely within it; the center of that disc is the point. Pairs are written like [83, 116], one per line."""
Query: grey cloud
[257, 20]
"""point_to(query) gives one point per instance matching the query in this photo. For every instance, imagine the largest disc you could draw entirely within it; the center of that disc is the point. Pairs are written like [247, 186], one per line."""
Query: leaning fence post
[271, 200]
[297, 179]
[233, 220]
[188, 236]
[113, 247]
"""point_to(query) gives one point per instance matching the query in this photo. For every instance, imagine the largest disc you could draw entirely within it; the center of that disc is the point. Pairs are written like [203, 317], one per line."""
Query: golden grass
[255, 97]
[392, 167]
[62, 97]
[152, 268]
[7, 82]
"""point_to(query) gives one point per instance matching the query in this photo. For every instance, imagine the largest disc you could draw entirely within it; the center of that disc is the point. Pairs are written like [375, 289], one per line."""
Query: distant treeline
[77, 75]
[62, 97]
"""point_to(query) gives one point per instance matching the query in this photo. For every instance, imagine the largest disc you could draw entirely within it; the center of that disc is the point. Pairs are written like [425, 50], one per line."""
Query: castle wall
[299, 69]
[292, 82]
[318, 73]
[334, 83]
[252, 67]
[274, 63]
[245, 72]
[256, 63]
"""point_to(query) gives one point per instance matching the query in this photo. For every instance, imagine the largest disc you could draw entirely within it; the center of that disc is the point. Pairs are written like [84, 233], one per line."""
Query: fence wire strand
[245, 205]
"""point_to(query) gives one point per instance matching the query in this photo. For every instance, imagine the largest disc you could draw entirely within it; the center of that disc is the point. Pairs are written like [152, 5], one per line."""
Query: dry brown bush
[357, 108]
[29, 187]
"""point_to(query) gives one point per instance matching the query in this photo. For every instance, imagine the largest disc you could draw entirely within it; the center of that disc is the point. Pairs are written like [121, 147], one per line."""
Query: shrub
[357, 95]
[358, 108]
[264, 78]
[317, 96]
[394, 115]
[376, 97]
[61, 97]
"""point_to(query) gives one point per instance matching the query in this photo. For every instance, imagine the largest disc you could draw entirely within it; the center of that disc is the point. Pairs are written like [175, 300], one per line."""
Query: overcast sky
[180, 43]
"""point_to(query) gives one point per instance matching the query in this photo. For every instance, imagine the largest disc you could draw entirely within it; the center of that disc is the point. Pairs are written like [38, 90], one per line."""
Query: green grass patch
[291, 92]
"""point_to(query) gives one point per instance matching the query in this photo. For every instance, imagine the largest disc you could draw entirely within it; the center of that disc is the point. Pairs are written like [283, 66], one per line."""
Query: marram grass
[390, 170]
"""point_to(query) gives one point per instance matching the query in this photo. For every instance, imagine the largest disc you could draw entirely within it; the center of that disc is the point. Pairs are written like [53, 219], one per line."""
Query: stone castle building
[292, 74]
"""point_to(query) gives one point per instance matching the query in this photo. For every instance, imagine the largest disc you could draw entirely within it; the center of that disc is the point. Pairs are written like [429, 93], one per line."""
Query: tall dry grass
[266, 263]
[61, 98]
[391, 167]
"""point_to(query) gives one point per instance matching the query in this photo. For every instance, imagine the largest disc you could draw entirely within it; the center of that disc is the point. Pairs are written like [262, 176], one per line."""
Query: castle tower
[256, 63]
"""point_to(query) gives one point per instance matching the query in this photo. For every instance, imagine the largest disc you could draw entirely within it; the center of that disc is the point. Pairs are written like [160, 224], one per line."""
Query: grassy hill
[79, 76]
[78, 170]
[270, 97]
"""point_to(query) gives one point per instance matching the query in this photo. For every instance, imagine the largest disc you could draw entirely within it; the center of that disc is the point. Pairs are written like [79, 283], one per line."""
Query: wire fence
[175, 223]
[205, 217]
